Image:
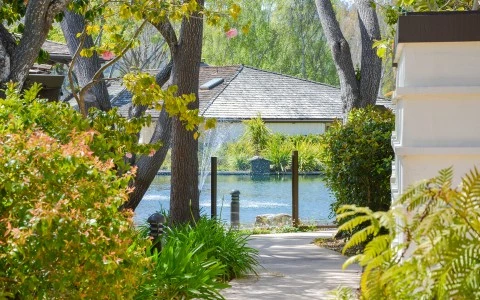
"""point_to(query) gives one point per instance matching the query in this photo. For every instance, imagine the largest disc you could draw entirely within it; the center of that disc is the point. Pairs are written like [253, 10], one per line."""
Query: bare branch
[166, 30]
[99, 73]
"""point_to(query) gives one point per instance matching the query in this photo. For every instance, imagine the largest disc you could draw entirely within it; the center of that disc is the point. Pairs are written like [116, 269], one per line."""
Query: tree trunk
[371, 70]
[357, 89]
[147, 167]
[16, 60]
[85, 67]
[349, 85]
[184, 194]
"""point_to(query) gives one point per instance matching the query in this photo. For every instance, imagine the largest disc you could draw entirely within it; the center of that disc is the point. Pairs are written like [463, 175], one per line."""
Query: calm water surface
[272, 195]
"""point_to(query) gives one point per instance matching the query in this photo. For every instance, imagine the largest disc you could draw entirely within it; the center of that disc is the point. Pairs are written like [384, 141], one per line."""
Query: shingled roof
[276, 97]
[124, 99]
[58, 52]
[245, 92]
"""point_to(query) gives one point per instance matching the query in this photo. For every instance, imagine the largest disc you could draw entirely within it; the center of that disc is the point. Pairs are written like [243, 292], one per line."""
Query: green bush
[432, 246]
[279, 151]
[357, 159]
[238, 155]
[229, 247]
[183, 270]
[61, 234]
[197, 260]
[257, 133]
[309, 154]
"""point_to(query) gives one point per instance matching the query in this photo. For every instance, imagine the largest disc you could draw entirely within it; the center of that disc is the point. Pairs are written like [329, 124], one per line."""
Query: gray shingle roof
[58, 52]
[247, 91]
[124, 99]
[276, 97]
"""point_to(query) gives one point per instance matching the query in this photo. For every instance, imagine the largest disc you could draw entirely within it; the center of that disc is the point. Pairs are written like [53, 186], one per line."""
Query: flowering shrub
[61, 234]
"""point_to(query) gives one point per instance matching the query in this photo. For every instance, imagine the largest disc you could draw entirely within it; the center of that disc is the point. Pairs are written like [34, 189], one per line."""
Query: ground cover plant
[426, 246]
[197, 261]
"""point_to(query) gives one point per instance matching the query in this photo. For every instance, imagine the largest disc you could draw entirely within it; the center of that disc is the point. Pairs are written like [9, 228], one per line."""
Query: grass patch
[279, 229]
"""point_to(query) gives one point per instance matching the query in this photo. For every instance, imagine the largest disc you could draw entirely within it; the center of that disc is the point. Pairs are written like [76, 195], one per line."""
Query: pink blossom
[152, 152]
[128, 155]
[233, 32]
[108, 55]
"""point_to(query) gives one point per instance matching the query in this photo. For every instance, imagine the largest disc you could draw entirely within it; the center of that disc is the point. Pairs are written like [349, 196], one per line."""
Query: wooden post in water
[213, 186]
[295, 188]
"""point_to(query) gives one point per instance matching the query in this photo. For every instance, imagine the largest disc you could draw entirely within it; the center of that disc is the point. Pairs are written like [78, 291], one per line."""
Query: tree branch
[38, 19]
[99, 73]
[166, 30]
[161, 78]
[80, 100]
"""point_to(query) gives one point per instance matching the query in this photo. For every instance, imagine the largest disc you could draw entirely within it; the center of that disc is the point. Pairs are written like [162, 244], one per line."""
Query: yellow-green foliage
[61, 234]
[432, 248]
[257, 133]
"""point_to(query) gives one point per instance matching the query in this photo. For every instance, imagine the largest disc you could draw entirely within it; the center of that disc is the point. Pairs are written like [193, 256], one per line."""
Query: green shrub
[229, 247]
[279, 151]
[308, 155]
[257, 133]
[196, 260]
[183, 270]
[357, 159]
[238, 155]
[61, 234]
[432, 248]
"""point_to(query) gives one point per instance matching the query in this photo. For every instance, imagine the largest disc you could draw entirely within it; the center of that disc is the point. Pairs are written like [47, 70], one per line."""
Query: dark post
[156, 229]
[235, 209]
[295, 188]
[213, 189]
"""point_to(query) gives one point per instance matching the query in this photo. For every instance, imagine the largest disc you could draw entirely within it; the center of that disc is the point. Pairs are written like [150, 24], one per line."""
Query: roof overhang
[435, 27]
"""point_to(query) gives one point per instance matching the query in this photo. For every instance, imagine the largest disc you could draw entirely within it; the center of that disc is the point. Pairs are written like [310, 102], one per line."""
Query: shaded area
[294, 268]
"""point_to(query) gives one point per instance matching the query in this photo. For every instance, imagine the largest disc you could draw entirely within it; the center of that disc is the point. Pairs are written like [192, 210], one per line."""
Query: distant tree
[359, 87]
[283, 37]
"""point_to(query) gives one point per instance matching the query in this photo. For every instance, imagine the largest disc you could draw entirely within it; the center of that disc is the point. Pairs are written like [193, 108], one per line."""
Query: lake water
[272, 195]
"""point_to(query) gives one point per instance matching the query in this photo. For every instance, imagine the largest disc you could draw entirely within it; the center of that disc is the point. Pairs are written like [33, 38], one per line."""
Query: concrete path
[293, 268]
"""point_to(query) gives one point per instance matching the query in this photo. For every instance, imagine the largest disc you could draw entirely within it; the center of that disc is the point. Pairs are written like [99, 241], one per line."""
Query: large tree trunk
[371, 69]
[85, 67]
[184, 194]
[16, 60]
[357, 90]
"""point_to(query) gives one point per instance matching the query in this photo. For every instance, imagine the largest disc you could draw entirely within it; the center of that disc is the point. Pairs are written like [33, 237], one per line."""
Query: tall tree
[16, 59]
[284, 37]
[359, 88]
[186, 51]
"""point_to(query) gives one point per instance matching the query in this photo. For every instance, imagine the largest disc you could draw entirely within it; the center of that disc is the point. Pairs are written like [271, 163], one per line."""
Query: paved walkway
[293, 268]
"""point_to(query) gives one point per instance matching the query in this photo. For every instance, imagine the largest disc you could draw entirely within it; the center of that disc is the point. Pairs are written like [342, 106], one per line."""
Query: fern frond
[377, 246]
[360, 237]
[355, 222]
[351, 260]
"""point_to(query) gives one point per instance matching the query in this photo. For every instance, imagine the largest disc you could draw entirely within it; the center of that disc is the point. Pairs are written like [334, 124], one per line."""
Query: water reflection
[265, 195]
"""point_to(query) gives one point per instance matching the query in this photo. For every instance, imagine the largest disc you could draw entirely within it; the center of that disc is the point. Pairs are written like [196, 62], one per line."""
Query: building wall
[437, 102]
